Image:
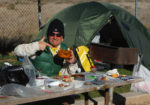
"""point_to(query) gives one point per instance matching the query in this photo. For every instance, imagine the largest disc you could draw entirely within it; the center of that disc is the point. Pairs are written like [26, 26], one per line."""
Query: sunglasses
[53, 34]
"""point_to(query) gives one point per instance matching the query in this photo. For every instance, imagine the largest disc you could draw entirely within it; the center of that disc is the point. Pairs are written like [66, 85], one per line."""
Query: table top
[97, 85]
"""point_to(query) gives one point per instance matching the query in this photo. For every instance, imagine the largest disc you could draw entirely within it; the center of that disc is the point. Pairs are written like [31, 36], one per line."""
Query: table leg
[86, 98]
[106, 96]
[109, 96]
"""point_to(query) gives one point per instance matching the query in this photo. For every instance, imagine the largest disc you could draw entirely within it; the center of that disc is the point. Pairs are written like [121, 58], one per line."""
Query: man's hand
[42, 44]
[72, 59]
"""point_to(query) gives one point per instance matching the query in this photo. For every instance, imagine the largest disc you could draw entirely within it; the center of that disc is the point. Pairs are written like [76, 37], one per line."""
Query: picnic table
[108, 86]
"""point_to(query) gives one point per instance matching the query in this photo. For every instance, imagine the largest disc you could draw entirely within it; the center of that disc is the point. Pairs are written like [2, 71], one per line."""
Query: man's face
[55, 39]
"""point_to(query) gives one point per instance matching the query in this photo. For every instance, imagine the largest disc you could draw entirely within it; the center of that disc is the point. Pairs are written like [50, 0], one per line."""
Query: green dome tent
[116, 26]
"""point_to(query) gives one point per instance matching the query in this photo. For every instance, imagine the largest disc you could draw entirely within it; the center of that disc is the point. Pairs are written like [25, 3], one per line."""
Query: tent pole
[136, 8]
[39, 14]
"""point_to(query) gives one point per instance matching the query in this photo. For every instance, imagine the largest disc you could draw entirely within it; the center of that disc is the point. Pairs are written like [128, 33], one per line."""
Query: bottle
[29, 69]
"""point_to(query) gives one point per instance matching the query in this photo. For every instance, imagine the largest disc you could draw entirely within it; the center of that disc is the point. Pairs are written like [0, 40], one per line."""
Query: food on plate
[61, 85]
[123, 75]
[65, 78]
[104, 78]
[66, 85]
[88, 83]
[57, 77]
[77, 75]
[115, 75]
[68, 79]
[64, 53]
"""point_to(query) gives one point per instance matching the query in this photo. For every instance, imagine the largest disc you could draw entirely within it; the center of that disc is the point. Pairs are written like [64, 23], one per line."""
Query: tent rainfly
[116, 26]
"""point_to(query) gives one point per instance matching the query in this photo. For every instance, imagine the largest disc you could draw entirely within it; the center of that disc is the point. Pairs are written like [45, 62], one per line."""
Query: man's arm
[31, 48]
[27, 49]
[72, 59]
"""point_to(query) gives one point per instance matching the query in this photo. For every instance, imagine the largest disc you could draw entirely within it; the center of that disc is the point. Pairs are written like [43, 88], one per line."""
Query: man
[44, 57]
[43, 53]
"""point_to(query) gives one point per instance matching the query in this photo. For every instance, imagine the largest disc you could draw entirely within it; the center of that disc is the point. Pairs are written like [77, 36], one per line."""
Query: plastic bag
[5, 65]
[143, 86]
[13, 74]
[20, 91]
[29, 69]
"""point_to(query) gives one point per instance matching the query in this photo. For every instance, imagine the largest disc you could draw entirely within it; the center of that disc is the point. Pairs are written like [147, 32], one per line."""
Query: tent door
[111, 35]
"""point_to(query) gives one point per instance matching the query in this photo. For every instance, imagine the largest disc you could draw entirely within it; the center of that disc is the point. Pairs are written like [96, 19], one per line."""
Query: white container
[39, 81]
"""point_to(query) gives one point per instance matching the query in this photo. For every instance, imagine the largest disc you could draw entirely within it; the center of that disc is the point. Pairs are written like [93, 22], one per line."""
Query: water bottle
[29, 69]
